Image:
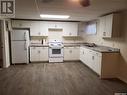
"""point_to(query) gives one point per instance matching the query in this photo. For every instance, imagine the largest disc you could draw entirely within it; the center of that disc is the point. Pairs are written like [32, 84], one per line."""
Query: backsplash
[56, 35]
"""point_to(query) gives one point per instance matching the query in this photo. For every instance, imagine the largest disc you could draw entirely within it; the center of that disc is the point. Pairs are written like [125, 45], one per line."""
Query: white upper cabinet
[70, 29]
[54, 25]
[20, 24]
[110, 25]
[38, 28]
[43, 29]
[35, 29]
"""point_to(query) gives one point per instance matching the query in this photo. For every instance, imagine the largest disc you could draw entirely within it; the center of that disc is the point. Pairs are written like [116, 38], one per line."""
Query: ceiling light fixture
[83, 3]
[54, 16]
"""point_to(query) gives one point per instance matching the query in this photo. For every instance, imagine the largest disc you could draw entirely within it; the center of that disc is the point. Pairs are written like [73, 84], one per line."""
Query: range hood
[55, 29]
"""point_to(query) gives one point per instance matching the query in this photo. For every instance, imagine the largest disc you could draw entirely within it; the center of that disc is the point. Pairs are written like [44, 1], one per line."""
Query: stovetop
[56, 44]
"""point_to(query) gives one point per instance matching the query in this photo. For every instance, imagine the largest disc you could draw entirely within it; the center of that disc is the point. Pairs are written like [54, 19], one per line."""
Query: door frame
[1, 44]
[5, 40]
[2, 40]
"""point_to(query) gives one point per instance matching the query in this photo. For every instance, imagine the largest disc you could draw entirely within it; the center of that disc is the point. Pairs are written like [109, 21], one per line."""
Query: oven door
[55, 52]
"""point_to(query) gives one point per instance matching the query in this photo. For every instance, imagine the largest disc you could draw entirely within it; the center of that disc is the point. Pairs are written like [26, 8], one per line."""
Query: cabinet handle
[83, 52]
[104, 33]
[92, 57]
[25, 36]
[70, 34]
[55, 26]
[39, 33]
[39, 51]
[70, 51]
[20, 25]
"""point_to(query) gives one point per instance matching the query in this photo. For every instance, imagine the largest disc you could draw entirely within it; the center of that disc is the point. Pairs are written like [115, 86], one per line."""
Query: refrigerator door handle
[25, 46]
[25, 36]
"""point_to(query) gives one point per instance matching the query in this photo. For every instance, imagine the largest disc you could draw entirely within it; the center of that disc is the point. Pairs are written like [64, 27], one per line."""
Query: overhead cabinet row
[41, 28]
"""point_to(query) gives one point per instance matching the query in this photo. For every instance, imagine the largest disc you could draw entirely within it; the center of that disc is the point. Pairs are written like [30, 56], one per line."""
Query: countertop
[103, 49]
[98, 48]
[38, 45]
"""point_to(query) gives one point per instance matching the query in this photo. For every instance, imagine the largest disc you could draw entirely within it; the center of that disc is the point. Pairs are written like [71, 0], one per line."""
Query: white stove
[56, 51]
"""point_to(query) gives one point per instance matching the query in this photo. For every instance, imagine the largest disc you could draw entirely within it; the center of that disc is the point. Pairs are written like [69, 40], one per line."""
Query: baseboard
[122, 79]
[39, 61]
[71, 60]
[7, 66]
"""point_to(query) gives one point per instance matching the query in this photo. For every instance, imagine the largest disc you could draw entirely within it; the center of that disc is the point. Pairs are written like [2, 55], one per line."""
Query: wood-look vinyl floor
[70, 78]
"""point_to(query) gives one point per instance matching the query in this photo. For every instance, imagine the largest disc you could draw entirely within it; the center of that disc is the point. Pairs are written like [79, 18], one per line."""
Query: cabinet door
[34, 54]
[81, 53]
[89, 58]
[70, 29]
[35, 29]
[67, 53]
[75, 53]
[108, 25]
[71, 53]
[43, 29]
[84, 55]
[21, 24]
[56, 25]
[43, 53]
[96, 62]
[102, 26]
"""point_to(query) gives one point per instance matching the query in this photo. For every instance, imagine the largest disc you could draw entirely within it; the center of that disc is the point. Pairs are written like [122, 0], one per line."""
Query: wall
[120, 43]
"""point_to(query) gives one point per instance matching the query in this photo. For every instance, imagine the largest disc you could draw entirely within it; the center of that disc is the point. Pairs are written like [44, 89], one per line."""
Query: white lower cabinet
[71, 53]
[96, 62]
[38, 54]
[104, 64]
[44, 54]
[85, 56]
[34, 54]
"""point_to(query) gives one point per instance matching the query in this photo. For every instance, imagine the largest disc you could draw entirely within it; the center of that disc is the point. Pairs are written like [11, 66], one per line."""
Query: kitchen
[65, 54]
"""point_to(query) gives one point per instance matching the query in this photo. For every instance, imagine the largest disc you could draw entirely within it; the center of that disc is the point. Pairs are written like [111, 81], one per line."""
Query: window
[91, 28]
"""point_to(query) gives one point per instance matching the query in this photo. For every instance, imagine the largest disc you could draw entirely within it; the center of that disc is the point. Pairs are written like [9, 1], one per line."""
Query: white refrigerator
[20, 46]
